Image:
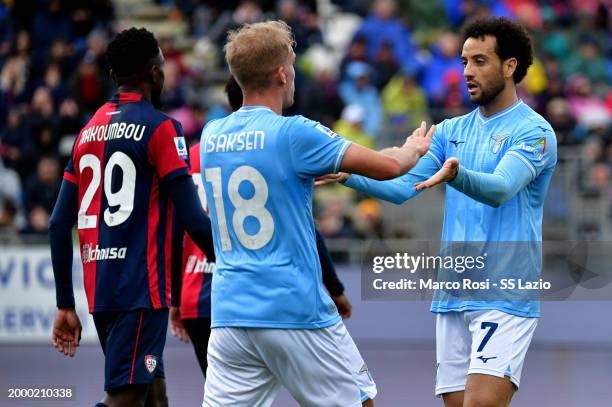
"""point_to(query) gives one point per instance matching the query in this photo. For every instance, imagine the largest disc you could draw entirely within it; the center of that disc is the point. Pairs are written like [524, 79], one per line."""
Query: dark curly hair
[513, 41]
[130, 51]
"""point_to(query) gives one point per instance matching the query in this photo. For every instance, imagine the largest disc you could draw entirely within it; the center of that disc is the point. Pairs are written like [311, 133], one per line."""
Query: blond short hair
[254, 51]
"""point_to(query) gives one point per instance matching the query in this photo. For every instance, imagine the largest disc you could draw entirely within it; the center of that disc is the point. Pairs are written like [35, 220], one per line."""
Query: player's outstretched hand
[420, 139]
[331, 178]
[66, 334]
[176, 325]
[447, 173]
[345, 309]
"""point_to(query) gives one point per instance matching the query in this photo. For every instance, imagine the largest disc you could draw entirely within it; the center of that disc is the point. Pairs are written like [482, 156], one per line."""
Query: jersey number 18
[255, 207]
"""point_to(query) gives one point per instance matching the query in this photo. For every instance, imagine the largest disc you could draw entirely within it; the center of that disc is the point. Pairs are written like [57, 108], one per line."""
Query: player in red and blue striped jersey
[126, 182]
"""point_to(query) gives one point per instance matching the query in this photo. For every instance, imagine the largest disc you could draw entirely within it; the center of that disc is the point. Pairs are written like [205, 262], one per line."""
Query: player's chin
[477, 99]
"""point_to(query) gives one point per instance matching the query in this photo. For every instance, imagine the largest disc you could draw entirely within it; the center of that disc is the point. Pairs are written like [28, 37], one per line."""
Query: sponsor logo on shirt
[197, 264]
[457, 142]
[485, 359]
[90, 253]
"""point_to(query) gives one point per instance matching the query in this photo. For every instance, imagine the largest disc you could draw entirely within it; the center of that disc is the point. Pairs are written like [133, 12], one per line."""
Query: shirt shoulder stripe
[340, 155]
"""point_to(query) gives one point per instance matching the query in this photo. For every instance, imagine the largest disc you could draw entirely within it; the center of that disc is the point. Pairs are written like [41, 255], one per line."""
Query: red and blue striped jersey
[197, 271]
[120, 162]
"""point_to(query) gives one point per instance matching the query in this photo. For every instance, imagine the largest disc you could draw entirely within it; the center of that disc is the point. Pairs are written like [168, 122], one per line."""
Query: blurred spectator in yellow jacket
[350, 126]
[404, 102]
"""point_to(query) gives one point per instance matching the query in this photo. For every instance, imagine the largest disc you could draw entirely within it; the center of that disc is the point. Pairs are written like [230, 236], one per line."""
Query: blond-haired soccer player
[273, 323]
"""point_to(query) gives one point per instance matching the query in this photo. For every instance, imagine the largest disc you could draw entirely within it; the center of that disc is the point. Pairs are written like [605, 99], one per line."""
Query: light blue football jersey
[258, 170]
[480, 143]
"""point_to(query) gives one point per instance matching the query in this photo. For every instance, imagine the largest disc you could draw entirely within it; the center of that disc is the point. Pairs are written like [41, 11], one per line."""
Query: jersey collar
[249, 109]
[504, 112]
[126, 97]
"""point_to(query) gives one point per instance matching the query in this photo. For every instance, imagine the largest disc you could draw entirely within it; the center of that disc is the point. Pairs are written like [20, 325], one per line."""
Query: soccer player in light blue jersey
[507, 153]
[273, 323]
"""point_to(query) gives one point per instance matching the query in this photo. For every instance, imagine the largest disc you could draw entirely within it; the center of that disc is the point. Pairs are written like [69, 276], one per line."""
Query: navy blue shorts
[133, 345]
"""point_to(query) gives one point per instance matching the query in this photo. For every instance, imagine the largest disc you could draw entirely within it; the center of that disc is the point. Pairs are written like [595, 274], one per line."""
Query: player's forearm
[494, 189]
[397, 190]
[330, 278]
[177, 263]
[60, 236]
[405, 156]
[191, 215]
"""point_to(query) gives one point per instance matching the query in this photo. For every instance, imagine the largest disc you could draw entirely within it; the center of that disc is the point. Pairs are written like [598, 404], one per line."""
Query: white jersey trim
[526, 162]
[500, 114]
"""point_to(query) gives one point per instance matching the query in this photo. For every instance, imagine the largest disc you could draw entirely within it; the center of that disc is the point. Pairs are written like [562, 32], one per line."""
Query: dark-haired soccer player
[508, 154]
[126, 174]
[190, 313]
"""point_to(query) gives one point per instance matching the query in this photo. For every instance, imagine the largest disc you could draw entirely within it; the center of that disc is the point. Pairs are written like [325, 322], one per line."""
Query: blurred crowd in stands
[369, 69]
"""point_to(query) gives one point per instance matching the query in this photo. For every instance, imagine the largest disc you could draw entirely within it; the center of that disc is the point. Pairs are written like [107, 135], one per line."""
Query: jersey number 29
[255, 207]
[123, 198]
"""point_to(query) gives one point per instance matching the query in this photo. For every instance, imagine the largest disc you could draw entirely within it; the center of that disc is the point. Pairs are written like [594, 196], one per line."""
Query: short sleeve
[437, 150]
[315, 149]
[536, 148]
[70, 173]
[167, 151]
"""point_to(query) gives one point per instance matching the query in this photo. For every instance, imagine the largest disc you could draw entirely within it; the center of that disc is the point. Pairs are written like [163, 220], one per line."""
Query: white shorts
[319, 367]
[488, 342]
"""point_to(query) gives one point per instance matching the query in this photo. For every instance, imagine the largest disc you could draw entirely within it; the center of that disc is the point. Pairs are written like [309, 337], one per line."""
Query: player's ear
[281, 75]
[157, 74]
[509, 67]
[153, 70]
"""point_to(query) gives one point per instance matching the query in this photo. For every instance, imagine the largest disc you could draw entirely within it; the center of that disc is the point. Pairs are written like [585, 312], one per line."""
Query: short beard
[489, 94]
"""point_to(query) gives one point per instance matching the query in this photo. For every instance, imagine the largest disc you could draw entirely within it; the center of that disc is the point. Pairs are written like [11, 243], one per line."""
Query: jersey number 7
[255, 207]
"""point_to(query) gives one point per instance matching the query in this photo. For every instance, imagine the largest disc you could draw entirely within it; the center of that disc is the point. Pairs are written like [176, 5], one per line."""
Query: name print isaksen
[235, 142]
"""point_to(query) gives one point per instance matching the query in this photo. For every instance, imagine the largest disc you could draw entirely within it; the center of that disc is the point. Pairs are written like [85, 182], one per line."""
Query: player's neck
[504, 100]
[146, 93]
[274, 102]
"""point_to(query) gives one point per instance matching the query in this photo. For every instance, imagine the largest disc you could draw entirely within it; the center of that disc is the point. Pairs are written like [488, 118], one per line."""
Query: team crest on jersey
[150, 363]
[181, 147]
[498, 142]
